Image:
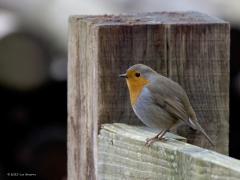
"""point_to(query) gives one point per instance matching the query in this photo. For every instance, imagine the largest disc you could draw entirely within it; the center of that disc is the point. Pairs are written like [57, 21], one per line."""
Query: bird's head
[137, 76]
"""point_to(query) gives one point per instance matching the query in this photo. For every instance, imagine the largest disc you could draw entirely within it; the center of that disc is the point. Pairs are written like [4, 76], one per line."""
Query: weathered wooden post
[191, 48]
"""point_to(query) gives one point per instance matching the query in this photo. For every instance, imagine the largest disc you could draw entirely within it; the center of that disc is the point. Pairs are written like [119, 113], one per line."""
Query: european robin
[159, 102]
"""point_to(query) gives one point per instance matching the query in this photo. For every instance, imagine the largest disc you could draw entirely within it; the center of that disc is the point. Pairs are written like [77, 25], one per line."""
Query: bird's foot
[150, 141]
[158, 137]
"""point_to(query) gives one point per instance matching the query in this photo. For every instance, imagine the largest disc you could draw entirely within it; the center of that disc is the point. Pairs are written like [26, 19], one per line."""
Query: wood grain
[122, 155]
[82, 101]
[199, 61]
[191, 48]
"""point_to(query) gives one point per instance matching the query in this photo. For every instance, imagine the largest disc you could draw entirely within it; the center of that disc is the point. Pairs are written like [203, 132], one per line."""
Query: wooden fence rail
[122, 155]
[189, 47]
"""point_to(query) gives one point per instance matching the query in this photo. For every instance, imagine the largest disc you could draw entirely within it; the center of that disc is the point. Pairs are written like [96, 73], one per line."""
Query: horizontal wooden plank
[122, 155]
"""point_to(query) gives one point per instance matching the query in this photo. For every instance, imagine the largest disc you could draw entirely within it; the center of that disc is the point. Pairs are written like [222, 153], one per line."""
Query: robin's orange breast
[135, 87]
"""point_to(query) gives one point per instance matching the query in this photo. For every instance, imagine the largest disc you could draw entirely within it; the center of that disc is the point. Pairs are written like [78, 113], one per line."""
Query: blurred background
[33, 73]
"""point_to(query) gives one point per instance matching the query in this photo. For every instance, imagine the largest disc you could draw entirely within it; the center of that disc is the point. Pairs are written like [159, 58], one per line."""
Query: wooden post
[191, 48]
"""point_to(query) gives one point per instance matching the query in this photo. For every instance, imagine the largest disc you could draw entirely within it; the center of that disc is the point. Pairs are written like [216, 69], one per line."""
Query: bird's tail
[199, 127]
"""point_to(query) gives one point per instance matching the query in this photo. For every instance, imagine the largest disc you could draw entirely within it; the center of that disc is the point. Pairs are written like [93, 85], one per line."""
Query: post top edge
[151, 18]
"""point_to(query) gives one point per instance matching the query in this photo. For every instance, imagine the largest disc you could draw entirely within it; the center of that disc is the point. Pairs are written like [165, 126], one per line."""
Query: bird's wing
[174, 107]
[172, 104]
[170, 96]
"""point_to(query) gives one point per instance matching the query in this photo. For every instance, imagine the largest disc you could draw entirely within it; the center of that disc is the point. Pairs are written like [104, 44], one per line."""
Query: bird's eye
[137, 74]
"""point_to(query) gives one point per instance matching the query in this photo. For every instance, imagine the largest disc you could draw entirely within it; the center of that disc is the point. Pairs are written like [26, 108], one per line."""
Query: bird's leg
[158, 137]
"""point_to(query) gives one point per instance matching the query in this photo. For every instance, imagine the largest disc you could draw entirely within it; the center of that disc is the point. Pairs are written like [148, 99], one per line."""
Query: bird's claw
[150, 141]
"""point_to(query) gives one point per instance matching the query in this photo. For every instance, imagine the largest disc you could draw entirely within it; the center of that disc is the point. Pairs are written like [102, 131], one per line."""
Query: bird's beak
[123, 75]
